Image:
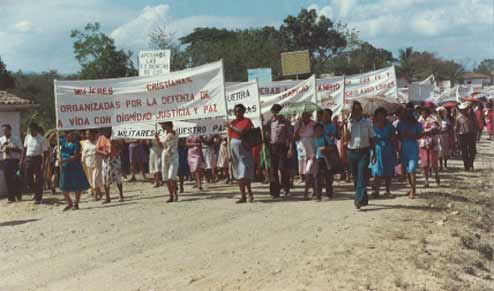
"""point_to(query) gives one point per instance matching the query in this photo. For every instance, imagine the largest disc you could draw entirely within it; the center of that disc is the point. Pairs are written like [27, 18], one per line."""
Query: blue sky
[34, 35]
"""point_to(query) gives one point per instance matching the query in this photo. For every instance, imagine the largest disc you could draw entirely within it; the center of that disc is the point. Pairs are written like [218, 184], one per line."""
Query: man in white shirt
[33, 158]
[359, 134]
[10, 150]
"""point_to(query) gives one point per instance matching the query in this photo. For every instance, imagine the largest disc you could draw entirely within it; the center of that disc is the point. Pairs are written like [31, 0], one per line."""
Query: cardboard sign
[154, 63]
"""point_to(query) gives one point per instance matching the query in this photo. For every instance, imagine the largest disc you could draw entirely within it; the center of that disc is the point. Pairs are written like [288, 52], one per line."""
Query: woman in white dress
[155, 162]
[89, 160]
[169, 159]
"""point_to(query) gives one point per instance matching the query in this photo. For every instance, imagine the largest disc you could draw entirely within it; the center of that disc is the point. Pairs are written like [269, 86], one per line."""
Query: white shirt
[361, 132]
[12, 143]
[35, 146]
[89, 154]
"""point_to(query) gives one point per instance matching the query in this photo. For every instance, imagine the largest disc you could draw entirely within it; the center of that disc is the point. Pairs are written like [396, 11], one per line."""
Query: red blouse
[243, 124]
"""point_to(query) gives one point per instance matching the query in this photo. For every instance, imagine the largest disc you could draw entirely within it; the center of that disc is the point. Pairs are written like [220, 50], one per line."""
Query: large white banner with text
[304, 91]
[192, 94]
[238, 93]
[376, 83]
[329, 91]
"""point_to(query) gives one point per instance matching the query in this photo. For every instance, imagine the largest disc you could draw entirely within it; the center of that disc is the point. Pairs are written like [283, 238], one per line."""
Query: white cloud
[134, 34]
[326, 10]
[24, 26]
[35, 35]
[435, 25]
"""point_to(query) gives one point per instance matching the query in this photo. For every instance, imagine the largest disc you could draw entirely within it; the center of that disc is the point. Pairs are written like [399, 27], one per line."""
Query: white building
[11, 107]
[476, 80]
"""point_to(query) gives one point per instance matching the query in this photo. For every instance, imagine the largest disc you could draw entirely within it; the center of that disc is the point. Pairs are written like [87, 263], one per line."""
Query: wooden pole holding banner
[57, 130]
[263, 138]
[229, 154]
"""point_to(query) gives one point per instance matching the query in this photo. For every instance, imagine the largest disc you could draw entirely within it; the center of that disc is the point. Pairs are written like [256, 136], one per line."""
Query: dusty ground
[441, 241]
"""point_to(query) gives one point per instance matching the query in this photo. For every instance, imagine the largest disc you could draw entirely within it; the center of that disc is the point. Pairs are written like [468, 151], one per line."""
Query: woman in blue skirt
[73, 178]
[385, 161]
[409, 131]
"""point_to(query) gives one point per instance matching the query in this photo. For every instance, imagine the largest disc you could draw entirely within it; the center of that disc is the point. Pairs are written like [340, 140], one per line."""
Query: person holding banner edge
[72, 176]
[169, 159]
[241, 154]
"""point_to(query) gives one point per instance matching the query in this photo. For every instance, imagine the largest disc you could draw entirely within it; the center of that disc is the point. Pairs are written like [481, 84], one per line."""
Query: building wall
[14, 119]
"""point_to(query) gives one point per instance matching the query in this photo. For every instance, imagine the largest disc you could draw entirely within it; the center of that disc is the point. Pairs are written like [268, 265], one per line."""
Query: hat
[464, 105]
[440, 108]
[429, 104]
[276, 108]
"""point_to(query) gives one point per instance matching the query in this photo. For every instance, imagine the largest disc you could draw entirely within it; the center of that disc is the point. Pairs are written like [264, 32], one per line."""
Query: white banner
[183, 129]
[420, 92]
[465, 91]
[329, 91]
[196, 93]
[447, 96]
[239, 93]
[154, 63]
[376, 83]
[301, 92]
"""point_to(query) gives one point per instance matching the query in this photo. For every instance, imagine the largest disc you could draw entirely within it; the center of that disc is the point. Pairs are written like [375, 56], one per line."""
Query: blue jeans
[325, 175]
[359, 161]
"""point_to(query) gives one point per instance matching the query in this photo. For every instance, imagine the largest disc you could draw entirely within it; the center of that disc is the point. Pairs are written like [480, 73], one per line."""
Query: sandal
[68, 207]
[76, 207]
[241, 200]
[251, 198]
[106, 201]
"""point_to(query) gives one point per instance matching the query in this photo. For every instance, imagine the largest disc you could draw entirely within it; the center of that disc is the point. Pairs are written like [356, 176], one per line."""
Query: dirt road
[441, 241]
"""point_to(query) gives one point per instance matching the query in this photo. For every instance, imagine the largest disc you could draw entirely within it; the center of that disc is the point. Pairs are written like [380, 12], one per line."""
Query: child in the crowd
[320, 171]
[222, 164]
[183, 165]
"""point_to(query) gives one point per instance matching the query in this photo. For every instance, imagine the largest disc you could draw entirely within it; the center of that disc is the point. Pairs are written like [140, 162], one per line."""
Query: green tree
[365, 57]
[161, 39]
[6, 79]
[405, 69]
[313, 32]
[98, 55]
[38, 87]
[486, 67]
[239, 49]
[417, 66]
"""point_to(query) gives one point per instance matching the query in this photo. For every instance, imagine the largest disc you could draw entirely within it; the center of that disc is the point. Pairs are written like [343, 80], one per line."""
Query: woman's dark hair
[490, 103]
[34, 126]
[356, 103]
[276, 108]
[409, 116]
[380, 110]
[318, 125]
[328, 111]
[240, 107]
[167, 124]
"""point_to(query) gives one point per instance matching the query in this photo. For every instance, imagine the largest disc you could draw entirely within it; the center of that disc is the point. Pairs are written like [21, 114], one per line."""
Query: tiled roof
[473, 75]
[10, 99]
